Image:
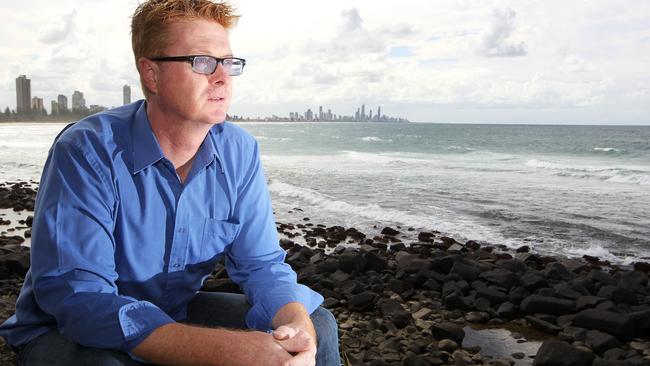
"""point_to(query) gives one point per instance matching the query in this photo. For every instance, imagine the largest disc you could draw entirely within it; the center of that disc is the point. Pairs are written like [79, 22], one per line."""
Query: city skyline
[35, 107]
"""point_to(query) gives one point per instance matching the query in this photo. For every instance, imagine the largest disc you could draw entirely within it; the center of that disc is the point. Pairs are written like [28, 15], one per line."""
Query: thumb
[300, 342]
[284, 332]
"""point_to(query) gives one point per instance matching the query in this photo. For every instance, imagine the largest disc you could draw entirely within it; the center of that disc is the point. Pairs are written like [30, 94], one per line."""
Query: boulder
[556, 271]
[543, 325]
[364, 301]
[558, 353]
[469, 271]
[620, 325]
[600, 341]
[448, 330]
[619, 295]
[500, 277]
[548, 305]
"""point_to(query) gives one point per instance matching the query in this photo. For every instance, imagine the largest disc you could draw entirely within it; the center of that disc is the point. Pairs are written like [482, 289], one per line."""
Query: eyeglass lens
[208, 65]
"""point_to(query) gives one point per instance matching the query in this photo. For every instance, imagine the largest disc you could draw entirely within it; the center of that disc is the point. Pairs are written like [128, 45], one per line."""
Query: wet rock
[558, 353]
[468, 270]
[543, 325]
[448, 330]
[17, 262]
[507, 310]
[11, 240]
[620, 325]
[493, 296]
[500, 277]
[545, 304]
[447, 345]
[618, 294]
[600, 341]
[389, 231]
[572, 334]
[598, 275]
[557, 271]
[426, 237]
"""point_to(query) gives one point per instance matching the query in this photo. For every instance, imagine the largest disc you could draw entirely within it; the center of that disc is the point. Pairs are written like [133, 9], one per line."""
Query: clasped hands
[298, 343]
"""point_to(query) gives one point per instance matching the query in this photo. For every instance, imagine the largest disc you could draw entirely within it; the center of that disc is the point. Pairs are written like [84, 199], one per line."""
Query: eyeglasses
[203, 64]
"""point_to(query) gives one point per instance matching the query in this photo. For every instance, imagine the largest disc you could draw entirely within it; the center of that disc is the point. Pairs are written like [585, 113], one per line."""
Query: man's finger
[301, 342]
[307, 358]
[284, 332]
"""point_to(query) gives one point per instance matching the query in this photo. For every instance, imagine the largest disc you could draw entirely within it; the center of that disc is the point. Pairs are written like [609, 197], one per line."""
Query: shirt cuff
[261, 314]
[138, 320]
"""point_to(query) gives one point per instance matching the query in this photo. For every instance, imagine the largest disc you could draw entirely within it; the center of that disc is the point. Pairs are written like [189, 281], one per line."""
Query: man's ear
[148, 74]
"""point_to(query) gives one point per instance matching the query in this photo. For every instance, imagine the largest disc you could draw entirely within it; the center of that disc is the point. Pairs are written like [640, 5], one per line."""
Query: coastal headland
[430, 301]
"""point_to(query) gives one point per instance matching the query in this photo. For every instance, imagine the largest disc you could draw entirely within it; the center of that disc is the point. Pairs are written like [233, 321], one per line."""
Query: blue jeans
[206, 309]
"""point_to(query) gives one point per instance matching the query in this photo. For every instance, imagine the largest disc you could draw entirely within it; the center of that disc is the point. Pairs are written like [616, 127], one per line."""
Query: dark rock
[389, 306]
[426, 237]
[602, 362]
[389, 231]
[399, 287]
[636, 281]
[494, 296]
[375, 262]
[523, 249]
[600, 341]
[620, 325]
[401, 318]
[558, 353]
[619, 295]
[598, 275]
[557, 271]
[11, 240]
[472, 245]
[500, 277]
[352, 261]
[642, 266]
[507, 310]
[614, 354]
[572, 334]
[513, 265]
[585, 302]
[469, 271]
[448, 330]
[329, 265]
[364, 301]
[17, 262]
[412, 359]
[545, 304]
[330, 303]
[543, 325]
[447, 241]
[565, 290]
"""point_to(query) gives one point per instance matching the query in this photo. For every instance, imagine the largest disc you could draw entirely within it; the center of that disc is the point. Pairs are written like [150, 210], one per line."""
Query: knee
[325, 324]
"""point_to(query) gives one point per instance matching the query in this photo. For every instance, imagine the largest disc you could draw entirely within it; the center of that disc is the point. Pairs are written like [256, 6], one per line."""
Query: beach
[432, 300]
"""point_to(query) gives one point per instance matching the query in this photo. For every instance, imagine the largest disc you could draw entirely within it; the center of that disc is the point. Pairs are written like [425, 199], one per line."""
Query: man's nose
[219, 76]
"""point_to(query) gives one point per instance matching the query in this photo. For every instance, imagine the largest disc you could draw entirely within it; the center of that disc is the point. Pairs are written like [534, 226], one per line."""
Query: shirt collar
[146, 150]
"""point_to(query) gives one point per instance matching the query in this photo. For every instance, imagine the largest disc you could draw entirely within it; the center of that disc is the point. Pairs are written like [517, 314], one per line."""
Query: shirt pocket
[217, 236]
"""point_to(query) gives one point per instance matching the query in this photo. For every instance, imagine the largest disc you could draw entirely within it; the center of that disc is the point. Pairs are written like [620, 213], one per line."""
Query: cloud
[496, 41]
[351, 20]
[56, 33]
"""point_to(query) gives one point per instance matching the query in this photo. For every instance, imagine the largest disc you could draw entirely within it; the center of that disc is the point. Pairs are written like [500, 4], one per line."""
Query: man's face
[184, 94]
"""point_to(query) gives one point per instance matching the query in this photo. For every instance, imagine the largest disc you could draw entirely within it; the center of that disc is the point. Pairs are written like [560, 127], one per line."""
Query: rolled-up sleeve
[73, 255]
[255, 260]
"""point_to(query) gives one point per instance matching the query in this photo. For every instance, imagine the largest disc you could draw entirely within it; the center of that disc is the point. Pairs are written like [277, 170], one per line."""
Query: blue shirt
[120, 245]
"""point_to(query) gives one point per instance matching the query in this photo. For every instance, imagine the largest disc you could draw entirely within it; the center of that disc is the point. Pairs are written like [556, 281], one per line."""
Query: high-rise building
[309, 115]
[320, 113]
[55, 108]
[126, 94]
[379, 113]
[62, 100]
[78, 101]
[23, 94]
[370, 114]
[363, 112]
[37, 105]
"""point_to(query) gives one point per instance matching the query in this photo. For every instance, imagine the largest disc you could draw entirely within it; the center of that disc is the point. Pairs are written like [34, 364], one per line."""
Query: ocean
[567, 190]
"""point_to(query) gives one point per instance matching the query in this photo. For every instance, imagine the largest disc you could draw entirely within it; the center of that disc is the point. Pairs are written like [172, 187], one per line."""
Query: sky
[463, 61]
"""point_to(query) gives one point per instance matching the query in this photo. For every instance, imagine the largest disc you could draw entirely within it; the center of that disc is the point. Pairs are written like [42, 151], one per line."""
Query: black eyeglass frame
[191, 59]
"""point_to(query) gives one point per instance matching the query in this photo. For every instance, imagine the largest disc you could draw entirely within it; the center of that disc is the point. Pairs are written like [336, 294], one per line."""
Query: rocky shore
[430, 301]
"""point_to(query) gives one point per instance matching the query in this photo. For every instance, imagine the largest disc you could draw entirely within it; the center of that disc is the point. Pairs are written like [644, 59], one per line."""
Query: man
[137, 204]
